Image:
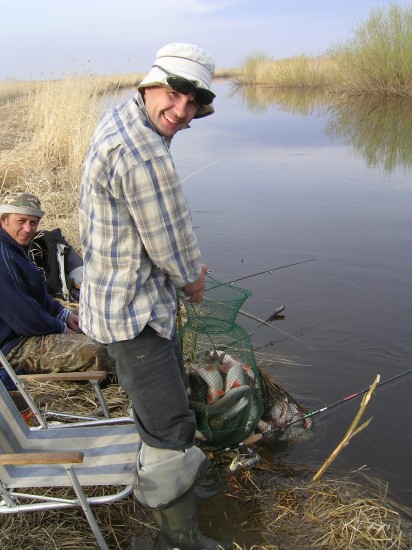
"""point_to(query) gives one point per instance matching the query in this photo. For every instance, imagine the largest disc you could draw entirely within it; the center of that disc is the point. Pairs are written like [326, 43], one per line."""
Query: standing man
[37, 333]
[138, 246]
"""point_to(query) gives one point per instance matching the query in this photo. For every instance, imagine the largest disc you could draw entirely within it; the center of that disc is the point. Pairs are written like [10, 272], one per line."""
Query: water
[276, 186]
[276, 180]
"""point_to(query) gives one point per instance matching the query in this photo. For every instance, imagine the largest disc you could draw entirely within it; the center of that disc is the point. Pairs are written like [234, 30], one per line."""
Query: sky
[43, 39]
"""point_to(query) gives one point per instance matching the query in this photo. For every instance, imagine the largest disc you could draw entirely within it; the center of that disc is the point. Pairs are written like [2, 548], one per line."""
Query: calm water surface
[273, 181]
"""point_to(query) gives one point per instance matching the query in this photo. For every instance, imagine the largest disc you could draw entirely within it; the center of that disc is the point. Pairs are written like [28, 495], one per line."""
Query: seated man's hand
[72, 323]
[194, 291]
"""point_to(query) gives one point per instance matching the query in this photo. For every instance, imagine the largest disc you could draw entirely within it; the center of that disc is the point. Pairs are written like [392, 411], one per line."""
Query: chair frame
[94, 377]
[30, 449]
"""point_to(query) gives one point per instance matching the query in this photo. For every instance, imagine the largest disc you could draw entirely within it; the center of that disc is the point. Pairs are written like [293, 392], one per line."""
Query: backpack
[60, 263]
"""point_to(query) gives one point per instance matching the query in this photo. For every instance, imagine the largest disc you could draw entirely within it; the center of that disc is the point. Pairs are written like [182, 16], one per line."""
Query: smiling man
[138, 246]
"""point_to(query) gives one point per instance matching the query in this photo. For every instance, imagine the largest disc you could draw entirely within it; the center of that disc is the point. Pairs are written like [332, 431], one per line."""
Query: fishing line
[373, 298]
[259, 273]
[256, 437]
[200, 170]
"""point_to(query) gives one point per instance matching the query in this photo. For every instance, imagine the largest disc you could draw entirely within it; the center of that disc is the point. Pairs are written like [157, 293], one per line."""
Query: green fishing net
[224, 383]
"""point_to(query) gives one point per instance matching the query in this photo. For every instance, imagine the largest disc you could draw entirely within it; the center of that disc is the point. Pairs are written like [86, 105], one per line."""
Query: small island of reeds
[375, 60]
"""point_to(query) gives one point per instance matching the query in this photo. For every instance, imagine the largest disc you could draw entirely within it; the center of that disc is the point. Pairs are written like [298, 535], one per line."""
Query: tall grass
[375, 60]
[378, 59]
[52, 124]
[293, 72]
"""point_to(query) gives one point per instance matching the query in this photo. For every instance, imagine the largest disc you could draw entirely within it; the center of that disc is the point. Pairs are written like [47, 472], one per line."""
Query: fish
[200, 436]
[220, 420]
[233, 368]
[264, 426]
[278, 413]
[254, 414]
[211, 376]
[222, 403]
[288, 418]
[235, 377]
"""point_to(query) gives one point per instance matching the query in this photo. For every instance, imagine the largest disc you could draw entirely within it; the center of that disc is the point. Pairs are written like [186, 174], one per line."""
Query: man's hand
[194, 291]
[72, 323]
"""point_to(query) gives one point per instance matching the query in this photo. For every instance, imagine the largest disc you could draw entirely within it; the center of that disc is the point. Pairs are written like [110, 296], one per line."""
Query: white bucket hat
[192, 64]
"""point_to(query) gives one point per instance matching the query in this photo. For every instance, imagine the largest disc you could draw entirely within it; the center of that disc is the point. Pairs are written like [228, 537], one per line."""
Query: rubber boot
[179, 528]
[208, 484]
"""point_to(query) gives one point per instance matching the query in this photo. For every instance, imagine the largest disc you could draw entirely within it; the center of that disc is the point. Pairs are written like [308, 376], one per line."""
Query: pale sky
[49, 38]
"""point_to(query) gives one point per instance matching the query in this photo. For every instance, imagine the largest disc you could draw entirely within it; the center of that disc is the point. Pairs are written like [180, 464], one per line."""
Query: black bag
[50, 251]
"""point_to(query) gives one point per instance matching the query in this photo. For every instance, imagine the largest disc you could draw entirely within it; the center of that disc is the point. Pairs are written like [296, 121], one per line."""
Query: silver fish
[214, 381]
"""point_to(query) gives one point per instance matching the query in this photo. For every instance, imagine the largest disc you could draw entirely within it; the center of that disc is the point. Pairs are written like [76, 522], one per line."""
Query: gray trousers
[150, 370]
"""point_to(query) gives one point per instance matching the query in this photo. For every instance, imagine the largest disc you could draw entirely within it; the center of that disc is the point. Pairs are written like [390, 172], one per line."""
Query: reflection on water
[259, 98]
[378, 128]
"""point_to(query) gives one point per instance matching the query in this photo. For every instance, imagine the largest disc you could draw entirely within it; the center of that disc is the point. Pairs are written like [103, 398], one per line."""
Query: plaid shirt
[135, 227]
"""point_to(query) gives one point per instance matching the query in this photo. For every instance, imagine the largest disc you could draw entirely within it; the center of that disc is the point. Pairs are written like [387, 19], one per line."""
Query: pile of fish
[225, 394]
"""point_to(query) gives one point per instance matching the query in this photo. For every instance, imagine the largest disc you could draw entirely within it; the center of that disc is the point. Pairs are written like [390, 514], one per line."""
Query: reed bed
[51, 125]
[375, 60]
[294, 72]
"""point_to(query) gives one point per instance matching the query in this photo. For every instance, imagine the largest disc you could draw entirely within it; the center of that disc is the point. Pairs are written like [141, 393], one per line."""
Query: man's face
[169, 111]
[20, 227]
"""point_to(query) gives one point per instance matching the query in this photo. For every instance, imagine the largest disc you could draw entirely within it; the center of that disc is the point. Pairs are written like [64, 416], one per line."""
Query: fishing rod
[254, 438]
[260, 272]
[275, 314]
[257, 437]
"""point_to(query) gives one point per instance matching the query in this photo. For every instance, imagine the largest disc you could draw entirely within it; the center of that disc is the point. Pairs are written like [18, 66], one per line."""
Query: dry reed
[53, 124]
[294, 72]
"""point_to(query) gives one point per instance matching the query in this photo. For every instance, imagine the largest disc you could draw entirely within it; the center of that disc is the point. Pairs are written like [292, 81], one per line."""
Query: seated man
[37, 333]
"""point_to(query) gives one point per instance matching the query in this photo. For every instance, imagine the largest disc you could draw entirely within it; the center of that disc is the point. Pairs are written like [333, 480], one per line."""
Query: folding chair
[82, 456]
[94, 377]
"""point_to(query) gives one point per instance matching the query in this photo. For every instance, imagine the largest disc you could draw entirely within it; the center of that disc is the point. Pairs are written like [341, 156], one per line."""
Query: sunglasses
[184, 86]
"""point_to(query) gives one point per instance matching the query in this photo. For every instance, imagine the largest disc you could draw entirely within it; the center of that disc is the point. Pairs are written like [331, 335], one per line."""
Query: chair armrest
[64, 376]
[42, 458]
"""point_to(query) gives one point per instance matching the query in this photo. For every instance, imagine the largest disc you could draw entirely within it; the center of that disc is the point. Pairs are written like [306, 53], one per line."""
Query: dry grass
[337, 514]
[51, 125]
[293, 72]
